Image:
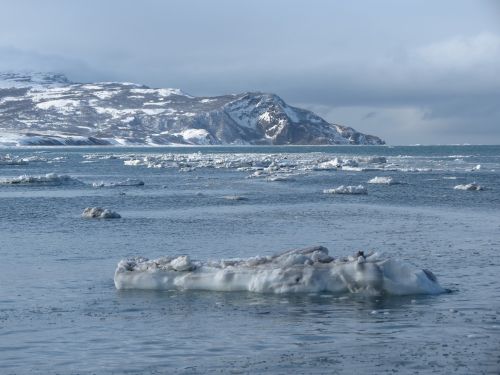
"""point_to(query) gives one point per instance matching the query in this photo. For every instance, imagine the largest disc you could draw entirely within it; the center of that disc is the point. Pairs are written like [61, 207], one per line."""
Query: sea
[436, 208]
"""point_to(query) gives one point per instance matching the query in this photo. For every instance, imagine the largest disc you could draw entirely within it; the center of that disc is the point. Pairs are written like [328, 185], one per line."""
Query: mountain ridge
[48, 109]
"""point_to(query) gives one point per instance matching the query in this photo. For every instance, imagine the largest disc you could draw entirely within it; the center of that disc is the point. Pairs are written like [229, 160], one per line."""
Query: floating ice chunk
[133, 162]
[328, 165]
[342, 189]
[281, 178]
[99, 213]
[48, 179]
[353, 169]
[349, 163]
[309, 270]
[127, 182]
[235, 198]
[471, 187]
[383, 181]
[414, 169]
[477, 167]
[12, 160]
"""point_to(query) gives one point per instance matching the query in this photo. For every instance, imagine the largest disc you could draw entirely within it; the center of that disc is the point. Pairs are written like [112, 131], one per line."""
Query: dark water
[60, 312]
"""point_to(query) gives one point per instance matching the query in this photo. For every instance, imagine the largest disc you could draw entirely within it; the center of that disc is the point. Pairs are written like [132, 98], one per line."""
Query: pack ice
[309, 270]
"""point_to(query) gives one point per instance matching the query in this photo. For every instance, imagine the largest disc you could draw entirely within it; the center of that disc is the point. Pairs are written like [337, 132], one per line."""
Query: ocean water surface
[61, 313]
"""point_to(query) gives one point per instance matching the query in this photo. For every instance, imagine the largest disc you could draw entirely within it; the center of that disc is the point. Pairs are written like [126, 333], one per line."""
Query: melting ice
[309, 270]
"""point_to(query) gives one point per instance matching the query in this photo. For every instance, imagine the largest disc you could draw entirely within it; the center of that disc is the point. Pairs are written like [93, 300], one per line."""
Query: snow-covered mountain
[48, 109]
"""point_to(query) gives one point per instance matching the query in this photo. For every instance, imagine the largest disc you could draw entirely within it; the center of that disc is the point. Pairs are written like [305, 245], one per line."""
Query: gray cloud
[15, 59]
[409, 72]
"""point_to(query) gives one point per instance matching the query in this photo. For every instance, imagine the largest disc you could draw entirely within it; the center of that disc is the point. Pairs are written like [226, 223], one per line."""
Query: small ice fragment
[382, 180]
[359, 189]
[477, 336]
[328, 165]
[99, 213]
[470, 187]
[127, 182]
[278, 178]
[235, 198]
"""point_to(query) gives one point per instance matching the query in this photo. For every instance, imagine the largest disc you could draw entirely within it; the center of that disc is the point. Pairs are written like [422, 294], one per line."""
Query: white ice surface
[310, 270]
[471, 187]
[235, 198]
[342, 189]
[382, 180]
[50, 179]
[263, 165]
[99, 213]
[127, 182]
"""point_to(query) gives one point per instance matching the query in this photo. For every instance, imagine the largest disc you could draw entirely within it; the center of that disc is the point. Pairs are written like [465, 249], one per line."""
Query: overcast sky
[409, 71]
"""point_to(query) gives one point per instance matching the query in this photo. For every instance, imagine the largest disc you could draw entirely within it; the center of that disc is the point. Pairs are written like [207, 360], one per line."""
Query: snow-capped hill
[355, 137]
[279, 123]
[47, 109]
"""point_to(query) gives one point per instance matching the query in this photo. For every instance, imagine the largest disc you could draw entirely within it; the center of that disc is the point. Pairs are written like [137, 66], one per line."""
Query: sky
[409, 71]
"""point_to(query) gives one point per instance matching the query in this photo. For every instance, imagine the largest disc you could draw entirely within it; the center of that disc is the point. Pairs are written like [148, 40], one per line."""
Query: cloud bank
[410, 73]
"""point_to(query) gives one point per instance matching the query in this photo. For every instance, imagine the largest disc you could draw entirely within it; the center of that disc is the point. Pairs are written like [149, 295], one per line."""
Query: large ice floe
[99, 213]
[48, 179]
[309, 270]
[343, 189]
